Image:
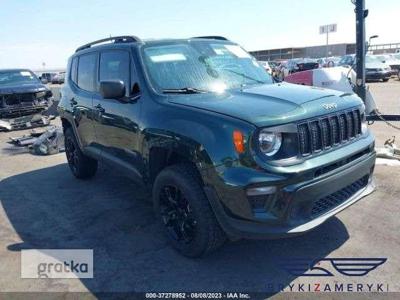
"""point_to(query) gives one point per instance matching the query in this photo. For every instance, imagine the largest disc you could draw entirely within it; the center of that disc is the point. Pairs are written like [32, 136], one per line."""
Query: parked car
[328, 62]
[266, 66]
[274, 67]
[374, 68]
[297, 65]
[397, 56]
[47, 77]
[392, 61]
[22, 94]
[226, 151]
[58, 78]
[347, 60]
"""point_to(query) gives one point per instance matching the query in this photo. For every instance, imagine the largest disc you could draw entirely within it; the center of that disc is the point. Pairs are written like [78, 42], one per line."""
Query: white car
[392, 61]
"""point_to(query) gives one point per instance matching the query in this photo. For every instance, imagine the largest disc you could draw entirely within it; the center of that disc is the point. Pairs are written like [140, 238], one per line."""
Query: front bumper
[298, 199]
[378, 75]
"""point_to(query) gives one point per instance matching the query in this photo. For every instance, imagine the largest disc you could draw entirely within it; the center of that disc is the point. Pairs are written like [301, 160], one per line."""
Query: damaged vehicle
[23, 99]
[227, 152]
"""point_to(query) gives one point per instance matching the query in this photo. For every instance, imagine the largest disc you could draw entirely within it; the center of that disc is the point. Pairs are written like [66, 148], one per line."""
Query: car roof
[145, 42]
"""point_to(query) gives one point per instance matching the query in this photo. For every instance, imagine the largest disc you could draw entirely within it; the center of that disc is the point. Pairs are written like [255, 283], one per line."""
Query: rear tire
[385, 79]
[82, 166]
[185, 212]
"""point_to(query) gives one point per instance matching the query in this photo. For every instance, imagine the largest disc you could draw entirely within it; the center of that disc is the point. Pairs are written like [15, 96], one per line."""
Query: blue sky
[34, 31]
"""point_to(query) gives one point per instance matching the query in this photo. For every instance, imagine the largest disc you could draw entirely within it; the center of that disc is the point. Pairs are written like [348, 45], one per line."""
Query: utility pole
[361, 14]
[327, 44]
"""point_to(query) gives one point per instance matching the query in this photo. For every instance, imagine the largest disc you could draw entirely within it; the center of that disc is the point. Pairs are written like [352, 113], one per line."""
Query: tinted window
[86, 72]
[114, 65]
[74, 68]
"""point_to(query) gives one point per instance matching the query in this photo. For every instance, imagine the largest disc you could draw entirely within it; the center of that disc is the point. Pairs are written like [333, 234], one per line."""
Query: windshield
[17, 76]
[372, 59]
[202, 65]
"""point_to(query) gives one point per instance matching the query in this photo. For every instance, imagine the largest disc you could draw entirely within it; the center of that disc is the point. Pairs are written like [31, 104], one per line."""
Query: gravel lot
[44, 207]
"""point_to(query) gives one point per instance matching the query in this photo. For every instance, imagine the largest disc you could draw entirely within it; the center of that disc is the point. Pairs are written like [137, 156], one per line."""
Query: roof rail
[115, 39]
[211, 37]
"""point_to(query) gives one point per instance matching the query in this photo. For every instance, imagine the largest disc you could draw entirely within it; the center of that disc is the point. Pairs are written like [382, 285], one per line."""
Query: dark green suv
[227, 152]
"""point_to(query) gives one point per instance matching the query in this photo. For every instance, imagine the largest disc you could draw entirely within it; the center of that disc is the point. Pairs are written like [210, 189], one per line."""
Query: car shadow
[50, 209]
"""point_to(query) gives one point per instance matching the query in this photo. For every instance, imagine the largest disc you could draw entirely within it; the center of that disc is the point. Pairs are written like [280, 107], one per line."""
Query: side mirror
[113, 89]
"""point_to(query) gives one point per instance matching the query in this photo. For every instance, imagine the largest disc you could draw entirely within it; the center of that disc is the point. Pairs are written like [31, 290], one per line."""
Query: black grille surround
[328, 131]
[329, 202]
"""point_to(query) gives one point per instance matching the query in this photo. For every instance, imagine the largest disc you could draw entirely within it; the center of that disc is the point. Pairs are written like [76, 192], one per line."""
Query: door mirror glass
[112, 89]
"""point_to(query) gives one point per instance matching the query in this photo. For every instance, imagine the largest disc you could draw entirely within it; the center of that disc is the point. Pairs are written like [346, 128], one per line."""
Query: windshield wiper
[244, 76]
[186, 90]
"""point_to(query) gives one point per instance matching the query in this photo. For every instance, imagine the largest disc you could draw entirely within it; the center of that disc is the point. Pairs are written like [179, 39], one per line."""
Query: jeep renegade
[227, 152]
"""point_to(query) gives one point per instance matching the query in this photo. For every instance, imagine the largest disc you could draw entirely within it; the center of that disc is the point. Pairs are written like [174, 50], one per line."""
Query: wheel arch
[163, 150]
[66, 123]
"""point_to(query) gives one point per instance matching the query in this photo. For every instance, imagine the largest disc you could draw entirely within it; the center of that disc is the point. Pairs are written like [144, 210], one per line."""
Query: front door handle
[99, 108]
[73, 101]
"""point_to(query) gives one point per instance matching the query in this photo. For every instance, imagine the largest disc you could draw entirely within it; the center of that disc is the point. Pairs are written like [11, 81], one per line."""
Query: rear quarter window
[74, 70]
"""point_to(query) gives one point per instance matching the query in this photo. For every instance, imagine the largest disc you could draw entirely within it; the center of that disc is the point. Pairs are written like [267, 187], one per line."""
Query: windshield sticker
[237, 51]
[220, 50]
[168, 57]
[25, 73]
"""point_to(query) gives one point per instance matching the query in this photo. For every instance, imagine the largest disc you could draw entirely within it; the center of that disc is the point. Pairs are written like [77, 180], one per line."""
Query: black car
[302, 64]
[22, 94]
[226, 151]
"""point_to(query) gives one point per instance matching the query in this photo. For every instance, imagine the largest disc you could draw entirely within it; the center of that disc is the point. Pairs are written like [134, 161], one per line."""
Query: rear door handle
[73, 101]
[99, 108]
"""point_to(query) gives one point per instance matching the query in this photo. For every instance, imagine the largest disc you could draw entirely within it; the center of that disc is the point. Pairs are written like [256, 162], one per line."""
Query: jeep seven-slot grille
[329, 131]
[329, 202]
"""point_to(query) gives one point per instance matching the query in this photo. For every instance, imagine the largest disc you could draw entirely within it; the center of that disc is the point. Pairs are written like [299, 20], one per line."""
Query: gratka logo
[57, 263]
[331, 266]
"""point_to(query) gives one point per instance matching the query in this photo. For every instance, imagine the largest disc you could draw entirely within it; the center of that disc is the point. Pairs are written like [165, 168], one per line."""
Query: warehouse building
[320, 51]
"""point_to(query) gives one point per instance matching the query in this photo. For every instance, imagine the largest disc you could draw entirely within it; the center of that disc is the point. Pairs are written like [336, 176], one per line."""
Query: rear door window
[87, 72]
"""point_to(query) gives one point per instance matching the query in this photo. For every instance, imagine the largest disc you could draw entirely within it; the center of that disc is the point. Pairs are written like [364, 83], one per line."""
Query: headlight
[364, 125]
[269, 142]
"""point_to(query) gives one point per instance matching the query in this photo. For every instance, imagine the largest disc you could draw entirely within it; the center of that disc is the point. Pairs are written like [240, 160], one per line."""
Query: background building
[320, 51]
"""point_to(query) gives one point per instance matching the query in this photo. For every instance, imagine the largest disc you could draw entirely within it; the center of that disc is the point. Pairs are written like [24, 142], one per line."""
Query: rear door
[83, 77]
[117, 121]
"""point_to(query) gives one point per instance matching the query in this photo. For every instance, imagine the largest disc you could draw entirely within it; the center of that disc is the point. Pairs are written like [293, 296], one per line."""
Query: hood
[270, 104]
[21, 88]
[392, 62]
[376, 65]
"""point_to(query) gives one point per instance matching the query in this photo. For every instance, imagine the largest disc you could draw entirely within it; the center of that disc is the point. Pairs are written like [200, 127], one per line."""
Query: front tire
[82, 166]
[185, 212]
[385, 79]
